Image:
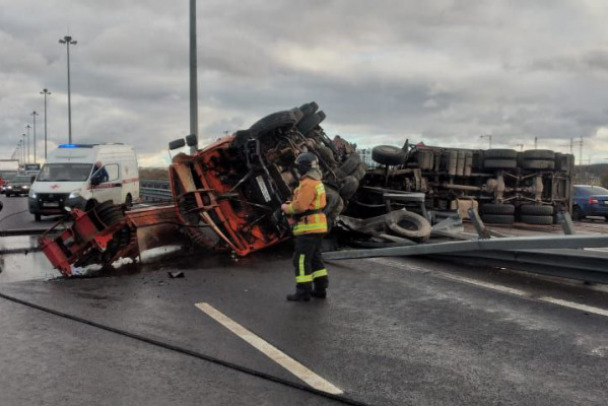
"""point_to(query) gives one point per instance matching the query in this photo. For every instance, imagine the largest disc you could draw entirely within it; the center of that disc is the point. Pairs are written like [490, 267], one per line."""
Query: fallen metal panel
[507, 243]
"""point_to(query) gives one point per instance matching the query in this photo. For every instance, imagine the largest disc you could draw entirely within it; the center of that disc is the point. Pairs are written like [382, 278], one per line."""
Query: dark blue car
[589, 200]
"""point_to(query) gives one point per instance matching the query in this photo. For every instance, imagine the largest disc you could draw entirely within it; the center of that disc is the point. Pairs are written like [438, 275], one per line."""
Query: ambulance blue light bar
[77, 145]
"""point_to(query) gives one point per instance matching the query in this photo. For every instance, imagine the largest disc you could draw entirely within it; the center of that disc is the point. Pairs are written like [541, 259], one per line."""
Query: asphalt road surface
[395, 331]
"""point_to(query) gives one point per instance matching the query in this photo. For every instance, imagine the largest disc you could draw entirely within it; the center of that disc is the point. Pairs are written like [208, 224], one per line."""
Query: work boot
[302, 293]
[320, 287]
[319, 294]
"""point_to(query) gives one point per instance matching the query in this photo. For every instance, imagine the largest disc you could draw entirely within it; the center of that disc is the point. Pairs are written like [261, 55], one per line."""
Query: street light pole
[34, 114]
[27, 127]
[193, 78]
[68, 41]
[46, 93]
[24, 148]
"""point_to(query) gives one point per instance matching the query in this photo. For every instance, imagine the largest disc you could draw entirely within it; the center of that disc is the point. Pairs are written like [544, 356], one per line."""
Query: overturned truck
[227, 196]
[530, 186]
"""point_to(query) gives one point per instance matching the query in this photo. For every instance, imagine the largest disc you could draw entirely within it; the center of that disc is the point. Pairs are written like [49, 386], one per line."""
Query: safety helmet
[305, 162]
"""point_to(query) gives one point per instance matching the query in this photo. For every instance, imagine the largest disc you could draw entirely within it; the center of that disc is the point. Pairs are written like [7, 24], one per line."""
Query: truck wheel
[349, 187]
[536, 210]
[499, 153]
[309, 108]
[273, 121]
[496, 208]
[498, 218]
[540, 220]
[388, 155]
[409, 225]
[350, 165]
[308, 123]
[538, 164]
[499, 163]
[544, 154]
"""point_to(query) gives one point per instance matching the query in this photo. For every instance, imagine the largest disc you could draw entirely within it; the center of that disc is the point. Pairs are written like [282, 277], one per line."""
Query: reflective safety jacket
[307, 207]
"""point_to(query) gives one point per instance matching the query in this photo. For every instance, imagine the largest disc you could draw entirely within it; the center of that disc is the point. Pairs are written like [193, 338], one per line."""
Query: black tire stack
[536, 214]
[500, 159]
[537, 159]
[495, 213]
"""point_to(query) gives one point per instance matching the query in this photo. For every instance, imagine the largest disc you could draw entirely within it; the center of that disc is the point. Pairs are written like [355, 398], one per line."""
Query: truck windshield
[64, 172]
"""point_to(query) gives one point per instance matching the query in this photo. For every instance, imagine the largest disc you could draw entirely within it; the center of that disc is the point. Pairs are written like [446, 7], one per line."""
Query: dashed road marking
[500, 288]
[270, 351]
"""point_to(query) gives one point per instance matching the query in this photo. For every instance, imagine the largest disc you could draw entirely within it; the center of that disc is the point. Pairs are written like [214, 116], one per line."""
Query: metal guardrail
[155, 191]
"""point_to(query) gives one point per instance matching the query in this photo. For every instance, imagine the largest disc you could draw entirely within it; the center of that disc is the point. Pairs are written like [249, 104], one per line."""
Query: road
[393, 331]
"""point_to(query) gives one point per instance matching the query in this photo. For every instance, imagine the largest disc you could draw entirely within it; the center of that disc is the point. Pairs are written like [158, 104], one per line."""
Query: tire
[308, 123]
[500, 154]
[326, 155]
[350, 165]
[280, 119]
[349, 187]
[496, 208]
[536, 210]
[240, 138]
[129, 200]
[542, 154]
[540, 220]
[360, 172]
[297, 113]
[388, 155]
[577, 214]
[334, 205]
[309, 108]
[538, 164]
[498, 218]
[37, 218]
[409, 225]
[500, 163]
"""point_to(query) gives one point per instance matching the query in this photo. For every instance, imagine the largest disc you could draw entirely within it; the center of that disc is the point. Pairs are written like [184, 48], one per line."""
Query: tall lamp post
[34, 114]
[67, 40]
[46, 93]
[24, 144]
[27, 127]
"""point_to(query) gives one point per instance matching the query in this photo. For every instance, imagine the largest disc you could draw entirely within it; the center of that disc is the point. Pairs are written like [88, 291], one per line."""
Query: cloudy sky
[440, 71]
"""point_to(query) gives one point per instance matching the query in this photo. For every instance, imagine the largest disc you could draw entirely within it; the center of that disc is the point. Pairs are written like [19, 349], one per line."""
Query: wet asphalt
[392, 332]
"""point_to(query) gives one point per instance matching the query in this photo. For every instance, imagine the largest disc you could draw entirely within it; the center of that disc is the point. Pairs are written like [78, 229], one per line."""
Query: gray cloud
[440, 71]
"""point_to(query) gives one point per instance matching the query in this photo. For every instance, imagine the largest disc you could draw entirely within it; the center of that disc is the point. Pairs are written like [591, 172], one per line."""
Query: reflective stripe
[319, 273]
[310, 227]
[304, 279]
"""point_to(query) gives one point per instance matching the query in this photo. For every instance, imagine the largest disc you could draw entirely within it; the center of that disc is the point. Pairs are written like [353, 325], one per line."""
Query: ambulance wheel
[129, 201]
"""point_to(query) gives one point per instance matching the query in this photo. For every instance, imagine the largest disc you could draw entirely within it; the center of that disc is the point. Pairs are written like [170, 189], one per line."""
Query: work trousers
[308, 263]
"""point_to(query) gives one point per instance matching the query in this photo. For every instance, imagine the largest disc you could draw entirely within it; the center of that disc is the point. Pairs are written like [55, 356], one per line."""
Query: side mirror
[175, 144]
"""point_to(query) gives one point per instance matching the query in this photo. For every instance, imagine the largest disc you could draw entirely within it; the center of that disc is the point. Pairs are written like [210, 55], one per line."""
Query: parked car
[589, 200]
[20, 186]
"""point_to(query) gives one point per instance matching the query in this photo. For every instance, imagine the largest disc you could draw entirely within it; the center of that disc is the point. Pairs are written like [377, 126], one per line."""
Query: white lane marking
[573, 305]
[270, 351]
[487, 285]
[504, 289]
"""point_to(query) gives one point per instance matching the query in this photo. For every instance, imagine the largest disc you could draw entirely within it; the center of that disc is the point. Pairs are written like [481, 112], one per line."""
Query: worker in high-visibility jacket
[309, 225]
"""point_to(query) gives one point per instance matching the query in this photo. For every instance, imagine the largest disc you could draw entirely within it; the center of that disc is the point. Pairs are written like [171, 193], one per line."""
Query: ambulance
[83, 175]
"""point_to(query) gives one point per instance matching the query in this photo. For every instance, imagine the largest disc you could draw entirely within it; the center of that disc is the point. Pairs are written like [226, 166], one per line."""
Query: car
[19, 186]
[5, 179]
[589, 200]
